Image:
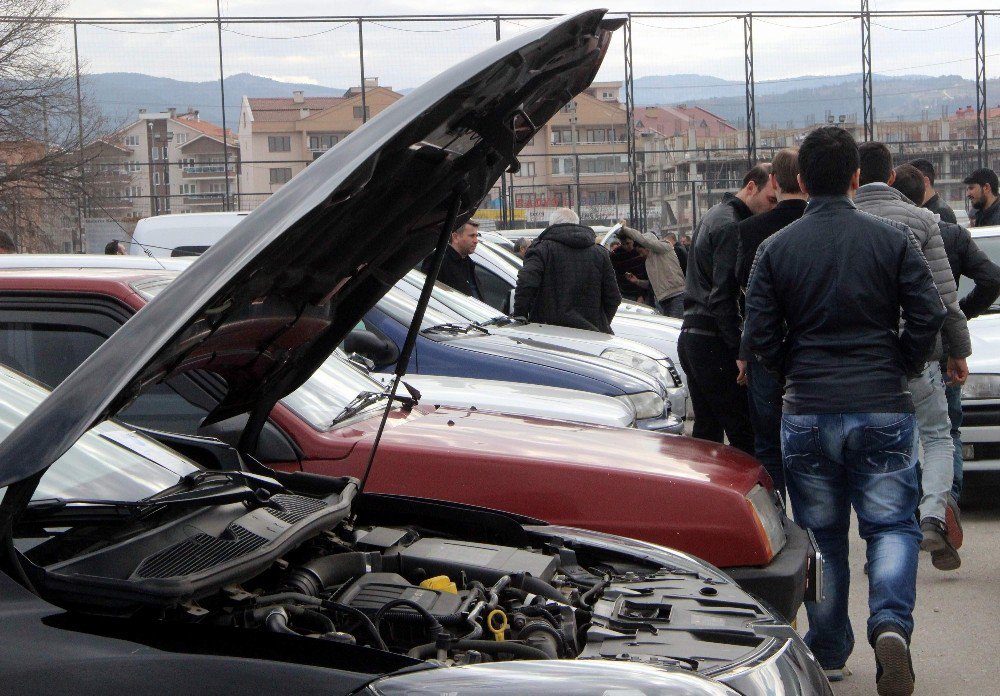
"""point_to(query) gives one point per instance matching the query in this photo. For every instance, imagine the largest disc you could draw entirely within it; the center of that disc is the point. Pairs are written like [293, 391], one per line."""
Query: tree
[42, 126]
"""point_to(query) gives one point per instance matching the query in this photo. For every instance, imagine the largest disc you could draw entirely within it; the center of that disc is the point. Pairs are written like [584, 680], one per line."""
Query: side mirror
[380, 351]
[360, 361]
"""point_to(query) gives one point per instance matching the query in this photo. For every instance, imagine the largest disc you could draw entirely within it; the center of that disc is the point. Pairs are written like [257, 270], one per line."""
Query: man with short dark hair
[664, 278]
[682, 254]
[457, 269]
[764, 390]
[823, 308]
[566, 278]
[114, 248]
[932, 201]
[927, 389]
[981, 187]
[710, 336]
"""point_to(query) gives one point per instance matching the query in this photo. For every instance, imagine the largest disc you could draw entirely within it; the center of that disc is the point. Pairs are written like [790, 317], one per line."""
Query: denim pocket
[799, 444]
[889, 447]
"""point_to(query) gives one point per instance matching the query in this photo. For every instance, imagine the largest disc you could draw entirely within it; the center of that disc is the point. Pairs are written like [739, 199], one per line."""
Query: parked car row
[213, 499]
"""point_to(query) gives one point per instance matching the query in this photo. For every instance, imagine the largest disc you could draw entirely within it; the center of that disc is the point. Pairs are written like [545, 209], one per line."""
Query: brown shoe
[953, 521]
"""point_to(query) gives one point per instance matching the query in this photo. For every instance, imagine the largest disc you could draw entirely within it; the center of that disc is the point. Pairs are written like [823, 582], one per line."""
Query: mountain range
[798, 101]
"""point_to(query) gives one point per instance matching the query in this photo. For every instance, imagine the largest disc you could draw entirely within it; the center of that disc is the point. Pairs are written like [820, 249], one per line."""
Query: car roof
[991, 231]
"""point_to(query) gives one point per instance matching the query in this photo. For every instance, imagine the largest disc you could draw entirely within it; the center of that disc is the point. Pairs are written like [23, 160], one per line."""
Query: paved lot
[956, 644]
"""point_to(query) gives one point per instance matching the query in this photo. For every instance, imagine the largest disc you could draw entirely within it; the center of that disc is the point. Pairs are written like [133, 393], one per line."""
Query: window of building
[280, 175]
[156, 178]
[527, 169]
[358, 112]
[322, 141]
[131, 140]
[596, 135]
[181, 138]
[156, 153]
[279, 143]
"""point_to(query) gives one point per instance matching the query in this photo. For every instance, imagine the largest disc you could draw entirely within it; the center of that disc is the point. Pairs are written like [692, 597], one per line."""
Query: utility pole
[576, 158]
[222, 91]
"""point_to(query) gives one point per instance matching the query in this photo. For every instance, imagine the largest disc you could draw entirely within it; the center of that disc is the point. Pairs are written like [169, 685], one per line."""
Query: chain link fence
[684, 104]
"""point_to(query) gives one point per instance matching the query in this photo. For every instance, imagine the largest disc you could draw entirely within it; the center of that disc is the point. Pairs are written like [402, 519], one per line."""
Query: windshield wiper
[501, 320]
[366, 398]
[455, 328]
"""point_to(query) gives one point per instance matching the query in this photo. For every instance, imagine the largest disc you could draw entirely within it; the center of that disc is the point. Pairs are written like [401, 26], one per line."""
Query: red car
[706, 499]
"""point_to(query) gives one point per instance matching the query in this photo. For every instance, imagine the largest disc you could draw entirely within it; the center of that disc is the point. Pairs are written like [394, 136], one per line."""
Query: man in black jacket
[981, 187]
[566, 278]
[966, 259]
[823, 308]
[932, 201]
[457, 269]
[710, 336]
[764, 390]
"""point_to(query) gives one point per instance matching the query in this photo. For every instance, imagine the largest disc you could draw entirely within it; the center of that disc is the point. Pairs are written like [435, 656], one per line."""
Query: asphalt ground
[956, 640]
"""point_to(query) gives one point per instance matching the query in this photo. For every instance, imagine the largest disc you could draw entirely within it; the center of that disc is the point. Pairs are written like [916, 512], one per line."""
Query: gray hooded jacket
[884, 201]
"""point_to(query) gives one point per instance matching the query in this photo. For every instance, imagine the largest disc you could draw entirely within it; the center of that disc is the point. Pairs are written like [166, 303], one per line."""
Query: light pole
[576, 158]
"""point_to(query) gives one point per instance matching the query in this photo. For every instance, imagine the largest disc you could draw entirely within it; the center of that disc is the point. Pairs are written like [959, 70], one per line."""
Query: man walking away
[663, 270]
[877, 197]
[823, 308]
[765, 390]
[457, 269]
[710, 336]
[932, 201]
[981, 187]
[566, 279]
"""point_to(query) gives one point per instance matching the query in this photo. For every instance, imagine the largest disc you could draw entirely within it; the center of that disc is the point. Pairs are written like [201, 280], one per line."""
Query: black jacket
[988, 216]
[682, 256]
[710, 290]
[936, 205]
[567, 280]
[823, 309]
[968, 260]
[457, 271]
[623, 262]
[751, 232]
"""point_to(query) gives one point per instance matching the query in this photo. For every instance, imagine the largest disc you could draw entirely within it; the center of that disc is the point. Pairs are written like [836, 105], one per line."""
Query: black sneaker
[944, 556]
[894, 668]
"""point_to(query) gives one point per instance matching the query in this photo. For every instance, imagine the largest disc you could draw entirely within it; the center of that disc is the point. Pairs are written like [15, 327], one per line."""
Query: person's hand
[630, 277]
[958, 371]
[741, 378]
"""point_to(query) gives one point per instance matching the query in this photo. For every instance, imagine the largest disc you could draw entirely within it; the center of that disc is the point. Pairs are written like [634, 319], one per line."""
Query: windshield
[449, 300]
[398, 305]
[331, 388]
[990, 247]
[508, 256]
[109, 462]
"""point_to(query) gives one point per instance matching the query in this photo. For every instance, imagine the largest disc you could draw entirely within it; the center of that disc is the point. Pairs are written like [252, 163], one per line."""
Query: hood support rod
[444, 237]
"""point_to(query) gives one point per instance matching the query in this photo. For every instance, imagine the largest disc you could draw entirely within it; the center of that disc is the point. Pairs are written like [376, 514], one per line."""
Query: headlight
[641, 362]
[646, 404]
[768, 517]
[982, 387]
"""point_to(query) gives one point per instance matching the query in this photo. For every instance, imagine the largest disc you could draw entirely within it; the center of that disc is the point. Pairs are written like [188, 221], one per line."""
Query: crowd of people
[823, 333]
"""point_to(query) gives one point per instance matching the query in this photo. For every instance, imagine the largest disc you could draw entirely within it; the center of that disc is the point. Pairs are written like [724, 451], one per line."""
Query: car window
[990, 247]
[400, 307]
[448, 299]
[494, 289]
[108, 463]
[46, 352]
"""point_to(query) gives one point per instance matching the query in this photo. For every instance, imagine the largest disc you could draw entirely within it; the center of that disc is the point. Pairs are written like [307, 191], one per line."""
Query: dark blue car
[468, 350]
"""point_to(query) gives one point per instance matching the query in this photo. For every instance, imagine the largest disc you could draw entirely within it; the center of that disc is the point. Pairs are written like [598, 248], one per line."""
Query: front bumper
[793, 575]
[669, 424]
[981, 435]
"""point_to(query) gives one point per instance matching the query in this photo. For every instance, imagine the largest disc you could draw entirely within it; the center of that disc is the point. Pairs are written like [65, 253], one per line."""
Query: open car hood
[266, 305]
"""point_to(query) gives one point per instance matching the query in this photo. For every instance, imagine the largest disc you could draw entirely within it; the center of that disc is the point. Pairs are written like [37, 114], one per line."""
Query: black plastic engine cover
[373, 591]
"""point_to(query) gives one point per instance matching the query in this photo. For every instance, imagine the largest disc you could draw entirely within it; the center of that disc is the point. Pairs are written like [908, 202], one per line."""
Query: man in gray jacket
[663, 269]
[876, 196]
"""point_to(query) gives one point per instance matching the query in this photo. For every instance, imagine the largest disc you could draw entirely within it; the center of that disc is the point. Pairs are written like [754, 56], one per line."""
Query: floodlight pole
[982, 132]
[866, 71]
[750, 84]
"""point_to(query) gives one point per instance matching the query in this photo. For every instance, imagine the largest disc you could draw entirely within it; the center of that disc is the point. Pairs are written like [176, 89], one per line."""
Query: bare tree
[43, 170]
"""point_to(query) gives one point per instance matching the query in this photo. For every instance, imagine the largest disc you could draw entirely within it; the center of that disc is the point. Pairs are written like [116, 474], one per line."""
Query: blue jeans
[938, 459]
[834, 461]
[765, 417]
[954, 394]
[671, 306]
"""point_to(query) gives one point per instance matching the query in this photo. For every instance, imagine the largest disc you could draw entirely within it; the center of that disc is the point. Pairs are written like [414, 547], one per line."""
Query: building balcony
[204, 198]
[207, 171]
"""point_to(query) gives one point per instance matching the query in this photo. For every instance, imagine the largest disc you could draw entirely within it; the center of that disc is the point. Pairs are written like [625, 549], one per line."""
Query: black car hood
[267, 304]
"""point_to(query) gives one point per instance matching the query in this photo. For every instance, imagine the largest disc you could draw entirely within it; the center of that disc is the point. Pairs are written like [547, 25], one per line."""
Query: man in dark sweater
[710, 337]
[981, 188]
[765, 390]
[932, 201]
[457, 269]
[823, 308]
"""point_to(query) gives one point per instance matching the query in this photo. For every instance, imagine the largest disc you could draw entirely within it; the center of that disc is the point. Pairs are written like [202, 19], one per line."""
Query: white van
[187, 234]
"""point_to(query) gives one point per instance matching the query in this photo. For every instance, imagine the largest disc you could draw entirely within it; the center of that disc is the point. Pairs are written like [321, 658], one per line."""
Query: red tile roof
[278, 109]
[206, 127]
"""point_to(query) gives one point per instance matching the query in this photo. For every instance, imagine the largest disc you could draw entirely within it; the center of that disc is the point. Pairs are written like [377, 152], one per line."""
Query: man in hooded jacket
[567, 279]
[877, 197]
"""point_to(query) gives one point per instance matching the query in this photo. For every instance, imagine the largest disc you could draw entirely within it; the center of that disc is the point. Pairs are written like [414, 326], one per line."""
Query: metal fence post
[506, 217]
[866, 71]
[361, 54]
[750, 84]
[633, 179]
[982, 108]
[80, 202]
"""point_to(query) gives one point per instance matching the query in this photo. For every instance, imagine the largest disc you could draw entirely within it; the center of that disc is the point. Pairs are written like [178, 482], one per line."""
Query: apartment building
[280, 136]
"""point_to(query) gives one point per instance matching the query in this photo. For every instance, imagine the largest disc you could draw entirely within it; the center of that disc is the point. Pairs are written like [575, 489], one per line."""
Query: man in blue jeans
[823, 307]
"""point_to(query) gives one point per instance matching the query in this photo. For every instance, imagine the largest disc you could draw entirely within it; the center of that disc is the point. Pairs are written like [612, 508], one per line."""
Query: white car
[981, 393]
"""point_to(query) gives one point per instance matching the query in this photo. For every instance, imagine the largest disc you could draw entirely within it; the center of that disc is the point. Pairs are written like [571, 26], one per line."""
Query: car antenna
[418, 316]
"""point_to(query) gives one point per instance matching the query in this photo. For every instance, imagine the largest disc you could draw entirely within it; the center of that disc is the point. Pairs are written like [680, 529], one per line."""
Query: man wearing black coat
[457, 269]
[981, 188]
[932, 201]
[567, 279]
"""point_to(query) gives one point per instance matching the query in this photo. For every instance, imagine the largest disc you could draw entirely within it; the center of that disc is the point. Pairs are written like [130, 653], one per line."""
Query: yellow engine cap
[440, 582]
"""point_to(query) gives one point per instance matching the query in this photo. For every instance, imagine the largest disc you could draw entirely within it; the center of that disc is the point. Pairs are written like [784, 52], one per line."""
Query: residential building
[280, 136]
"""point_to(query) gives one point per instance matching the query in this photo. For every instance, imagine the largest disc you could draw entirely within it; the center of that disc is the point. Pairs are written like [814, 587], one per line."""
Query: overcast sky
[405, 55]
